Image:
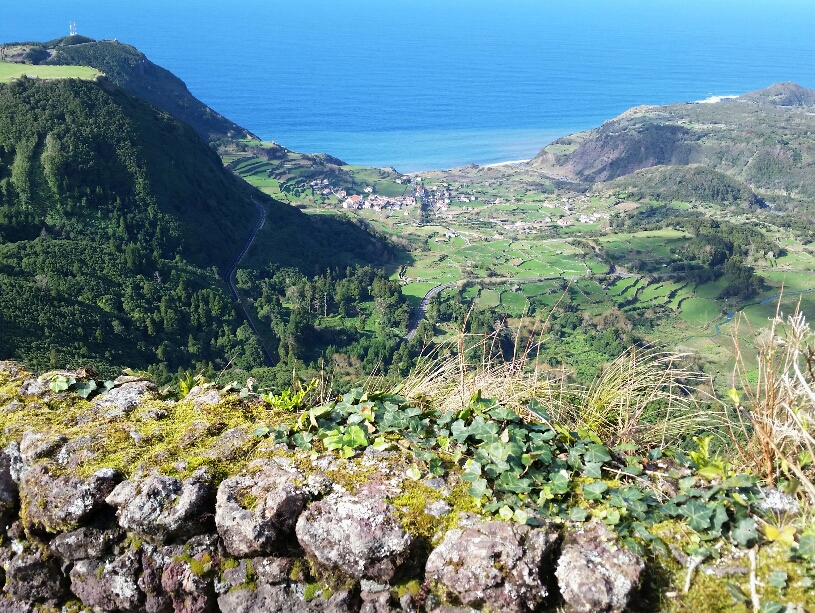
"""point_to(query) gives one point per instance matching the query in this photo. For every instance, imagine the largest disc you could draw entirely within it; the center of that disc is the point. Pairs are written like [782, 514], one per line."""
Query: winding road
[230, 273]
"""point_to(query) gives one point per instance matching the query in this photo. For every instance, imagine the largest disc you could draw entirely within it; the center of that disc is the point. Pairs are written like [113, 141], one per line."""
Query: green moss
[331, 578]
[298, 570]
[251, 575]
[199, 565]
[408, 587]
[246, 500]
[312, 591]
[410, 507]
[228, 563]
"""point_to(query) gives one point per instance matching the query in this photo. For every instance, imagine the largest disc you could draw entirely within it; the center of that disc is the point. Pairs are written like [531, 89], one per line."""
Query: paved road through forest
[231, 273]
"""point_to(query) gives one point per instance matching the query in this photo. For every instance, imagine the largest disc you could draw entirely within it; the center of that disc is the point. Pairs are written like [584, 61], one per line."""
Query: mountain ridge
[761, 139]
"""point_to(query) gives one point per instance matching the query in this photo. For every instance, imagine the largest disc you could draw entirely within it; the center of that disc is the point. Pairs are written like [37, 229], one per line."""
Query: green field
[10, 71]
[699, 311]
[489, 298]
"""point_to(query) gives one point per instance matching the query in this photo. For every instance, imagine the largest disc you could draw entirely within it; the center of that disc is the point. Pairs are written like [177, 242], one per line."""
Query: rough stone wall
[267, 536]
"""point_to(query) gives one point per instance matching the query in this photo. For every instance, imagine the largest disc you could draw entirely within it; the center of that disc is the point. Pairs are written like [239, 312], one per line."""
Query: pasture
[9, 71]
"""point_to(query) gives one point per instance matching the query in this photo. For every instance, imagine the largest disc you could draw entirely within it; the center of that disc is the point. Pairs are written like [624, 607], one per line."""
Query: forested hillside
[128, 68]
[117, 223]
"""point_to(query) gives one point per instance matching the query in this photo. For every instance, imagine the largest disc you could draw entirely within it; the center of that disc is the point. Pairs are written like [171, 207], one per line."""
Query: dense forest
[117, 225]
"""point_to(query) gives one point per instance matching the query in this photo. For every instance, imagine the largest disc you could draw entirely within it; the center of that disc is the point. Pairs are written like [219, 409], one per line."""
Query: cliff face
[124, 501]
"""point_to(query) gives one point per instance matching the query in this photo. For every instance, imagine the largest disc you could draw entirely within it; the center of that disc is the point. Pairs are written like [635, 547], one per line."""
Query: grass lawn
[515, 303]
[489, 299]
[10, 71]
[699, 311]
[414, 292]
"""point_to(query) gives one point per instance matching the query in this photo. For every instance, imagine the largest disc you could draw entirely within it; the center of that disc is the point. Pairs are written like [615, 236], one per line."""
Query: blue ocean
[420, 84]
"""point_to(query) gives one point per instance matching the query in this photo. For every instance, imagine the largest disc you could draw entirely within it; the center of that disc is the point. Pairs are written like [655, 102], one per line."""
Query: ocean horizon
[425, 84]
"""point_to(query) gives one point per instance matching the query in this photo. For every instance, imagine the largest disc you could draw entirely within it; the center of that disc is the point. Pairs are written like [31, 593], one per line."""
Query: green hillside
[128, 68]
[116, 224]
[762, 139]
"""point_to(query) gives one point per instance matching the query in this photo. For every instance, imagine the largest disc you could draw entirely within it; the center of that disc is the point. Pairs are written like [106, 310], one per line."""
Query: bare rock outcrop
[121, 400]
[494, 564]
[85, 543]
[595, 574]
[162, 507]
[254, 511]
[9, 492]
[108, 586]
[357, 534]
[35, 577]
[54, 503]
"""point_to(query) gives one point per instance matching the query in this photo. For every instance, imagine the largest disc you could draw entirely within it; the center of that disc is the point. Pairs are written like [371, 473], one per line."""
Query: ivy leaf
[302, 440]
[520, 516]
[634, 547]
[806, 546]
[593, 470]
[735, 592]
[85, 388]
[720, 517]
[506, 513]
[435, 466]
[413, 473]
[578, 514]
[472, 471]
[559, 482]
[381, 444]
[687, 483]
[459, 430]
[60, 383]
[261, 431]
[355, 437]
[479, 489]
[778, 579]
[574, 458]
[444, 419]
[424, 456]
[594, 491]
[612, 517]
[493, 469]
[596, 453]
[333, 440]
[503, 414]
[745, 532]
[670, 509]
[511, 483]
[739, 481]
[497, 451]
[483, 430]
[770, 606]
[699, 515]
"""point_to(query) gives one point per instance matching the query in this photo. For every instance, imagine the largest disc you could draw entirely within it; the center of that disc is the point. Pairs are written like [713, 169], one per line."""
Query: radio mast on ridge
[73, 28]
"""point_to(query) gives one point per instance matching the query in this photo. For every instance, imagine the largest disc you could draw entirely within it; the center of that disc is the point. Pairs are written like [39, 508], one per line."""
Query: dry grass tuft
[773, 425]
[644, 397]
